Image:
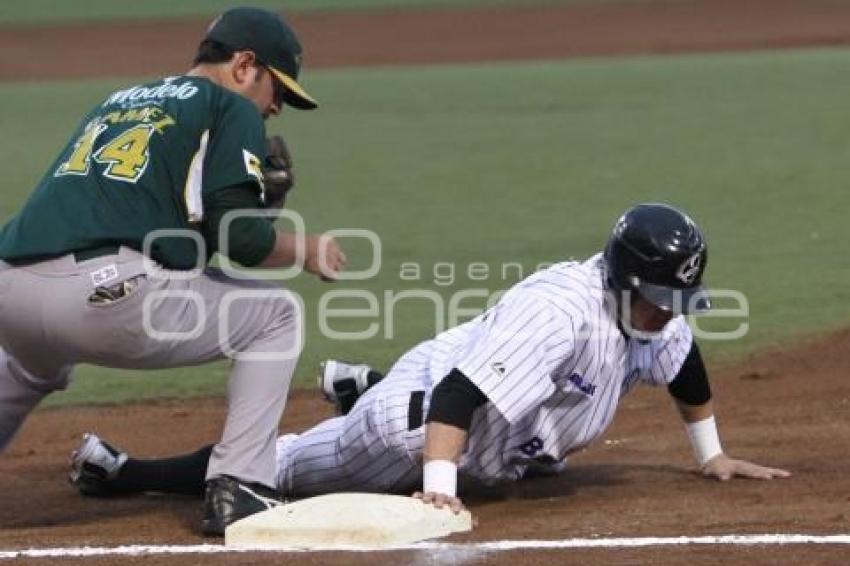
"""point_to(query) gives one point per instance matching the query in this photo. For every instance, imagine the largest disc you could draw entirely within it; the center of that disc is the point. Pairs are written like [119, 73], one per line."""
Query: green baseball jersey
[139, 166]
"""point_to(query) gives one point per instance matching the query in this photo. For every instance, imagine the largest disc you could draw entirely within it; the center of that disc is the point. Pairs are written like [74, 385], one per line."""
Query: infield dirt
[448, 35]
[784, 408]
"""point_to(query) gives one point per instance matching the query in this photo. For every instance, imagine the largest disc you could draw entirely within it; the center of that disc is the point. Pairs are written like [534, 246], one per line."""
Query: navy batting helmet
[658, 252]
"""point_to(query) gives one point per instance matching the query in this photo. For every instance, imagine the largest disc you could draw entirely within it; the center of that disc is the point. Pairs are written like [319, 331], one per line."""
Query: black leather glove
[277, 170]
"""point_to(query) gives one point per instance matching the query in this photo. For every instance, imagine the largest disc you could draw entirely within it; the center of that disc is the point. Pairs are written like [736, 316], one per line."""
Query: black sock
[346, 395]
[181, 474]
[346, 390]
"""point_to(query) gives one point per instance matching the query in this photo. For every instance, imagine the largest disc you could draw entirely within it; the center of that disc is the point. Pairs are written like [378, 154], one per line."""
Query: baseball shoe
[227, 499]
[343, 383]
[93, 464]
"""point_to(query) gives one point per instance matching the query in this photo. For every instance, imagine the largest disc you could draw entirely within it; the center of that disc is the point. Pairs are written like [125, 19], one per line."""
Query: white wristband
[704, 439]
[439, 476]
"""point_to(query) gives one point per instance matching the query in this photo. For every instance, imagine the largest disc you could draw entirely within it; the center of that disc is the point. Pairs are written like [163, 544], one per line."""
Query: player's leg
[160, 322]
[99, 469]
[360, 451]
[21, 391]
[374, 448]
[377, 447]
[29, 370]
[170, 322]
[356, 452]
[263, 330]
[344, 453]
[258, 325]
[342, 383]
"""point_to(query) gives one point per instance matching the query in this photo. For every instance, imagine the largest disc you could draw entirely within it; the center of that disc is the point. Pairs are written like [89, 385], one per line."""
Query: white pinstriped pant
[373, 448]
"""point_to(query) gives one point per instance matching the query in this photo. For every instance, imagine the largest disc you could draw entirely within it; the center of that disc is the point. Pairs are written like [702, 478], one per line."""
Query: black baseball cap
[272, 40]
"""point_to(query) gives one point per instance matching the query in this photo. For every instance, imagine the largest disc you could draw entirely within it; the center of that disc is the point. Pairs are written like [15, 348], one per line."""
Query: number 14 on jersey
[125, 156]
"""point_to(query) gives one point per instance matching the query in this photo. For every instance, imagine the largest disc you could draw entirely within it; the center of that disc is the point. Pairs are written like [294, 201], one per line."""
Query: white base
[346, 520]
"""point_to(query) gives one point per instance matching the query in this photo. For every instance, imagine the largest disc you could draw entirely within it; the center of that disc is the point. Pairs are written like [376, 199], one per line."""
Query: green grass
[62, 11]
[533, 162]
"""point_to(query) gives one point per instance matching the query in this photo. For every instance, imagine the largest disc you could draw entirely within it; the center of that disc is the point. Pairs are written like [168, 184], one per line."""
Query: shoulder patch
[254, 167]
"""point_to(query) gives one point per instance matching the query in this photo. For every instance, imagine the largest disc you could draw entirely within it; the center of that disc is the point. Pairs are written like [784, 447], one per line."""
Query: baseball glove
[277, 170]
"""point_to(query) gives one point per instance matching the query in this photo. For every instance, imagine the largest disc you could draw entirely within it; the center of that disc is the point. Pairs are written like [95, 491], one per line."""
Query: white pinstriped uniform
[552, 362]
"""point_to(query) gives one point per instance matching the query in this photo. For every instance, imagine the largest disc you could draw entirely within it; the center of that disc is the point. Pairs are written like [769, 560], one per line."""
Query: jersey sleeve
[668, 352]
[249, 239]
[235, 146]
[514, 352]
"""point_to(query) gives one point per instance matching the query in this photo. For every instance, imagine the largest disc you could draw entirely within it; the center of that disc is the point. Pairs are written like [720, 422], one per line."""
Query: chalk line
[491, 546]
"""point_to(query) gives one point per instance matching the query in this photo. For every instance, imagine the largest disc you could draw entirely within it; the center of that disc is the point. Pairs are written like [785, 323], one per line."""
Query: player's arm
[322, 254]
[453, 402]
[692, 394]
[255, 242]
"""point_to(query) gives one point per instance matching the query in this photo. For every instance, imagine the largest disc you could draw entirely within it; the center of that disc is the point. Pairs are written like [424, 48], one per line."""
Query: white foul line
[138, 550]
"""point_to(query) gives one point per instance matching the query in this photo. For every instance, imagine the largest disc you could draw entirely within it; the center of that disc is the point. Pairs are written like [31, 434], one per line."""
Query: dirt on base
[786, 408]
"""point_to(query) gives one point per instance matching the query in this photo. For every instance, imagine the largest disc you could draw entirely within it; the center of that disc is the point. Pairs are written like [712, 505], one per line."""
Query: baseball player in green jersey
[106, 262]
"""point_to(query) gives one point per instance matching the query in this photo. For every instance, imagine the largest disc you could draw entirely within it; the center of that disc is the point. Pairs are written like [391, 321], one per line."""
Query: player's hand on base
[324, 257]
[438, 500]
[724, 468]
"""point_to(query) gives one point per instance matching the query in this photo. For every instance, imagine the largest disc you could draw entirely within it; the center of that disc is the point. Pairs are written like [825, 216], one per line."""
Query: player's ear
[243, 67]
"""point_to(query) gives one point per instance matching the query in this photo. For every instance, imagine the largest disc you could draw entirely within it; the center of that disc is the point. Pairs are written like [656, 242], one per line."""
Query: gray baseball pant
[49, 322]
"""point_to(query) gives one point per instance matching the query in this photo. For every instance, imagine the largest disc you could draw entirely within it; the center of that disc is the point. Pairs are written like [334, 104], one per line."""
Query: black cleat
[227, 499]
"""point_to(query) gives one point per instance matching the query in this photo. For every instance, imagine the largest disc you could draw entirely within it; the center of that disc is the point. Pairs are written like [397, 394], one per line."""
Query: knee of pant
[282, 313]
[42, 381]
